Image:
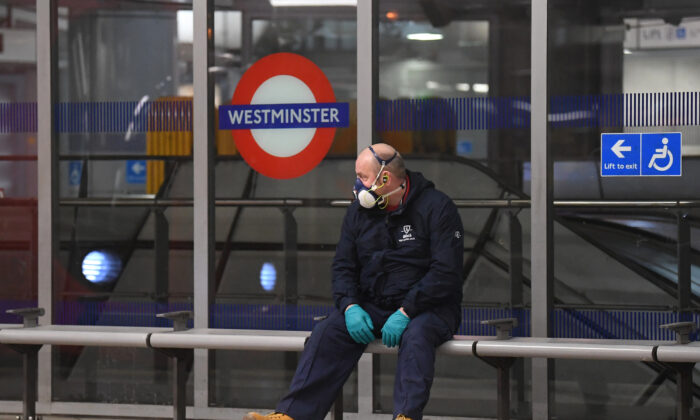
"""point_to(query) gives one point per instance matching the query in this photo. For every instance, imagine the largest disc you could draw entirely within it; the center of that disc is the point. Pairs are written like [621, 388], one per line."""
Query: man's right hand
[359, 324]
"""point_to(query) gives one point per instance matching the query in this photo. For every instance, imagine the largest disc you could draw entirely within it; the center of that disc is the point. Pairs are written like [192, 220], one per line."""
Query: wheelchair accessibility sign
[640, 154]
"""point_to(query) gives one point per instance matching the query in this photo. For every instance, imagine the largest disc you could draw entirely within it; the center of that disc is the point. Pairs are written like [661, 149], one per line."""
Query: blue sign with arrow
[640, 154]
[136, 171]
[619, 154]
[75, 172]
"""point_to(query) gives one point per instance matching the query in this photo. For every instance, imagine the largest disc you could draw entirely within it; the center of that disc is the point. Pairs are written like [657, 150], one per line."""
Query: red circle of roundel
[307, 159]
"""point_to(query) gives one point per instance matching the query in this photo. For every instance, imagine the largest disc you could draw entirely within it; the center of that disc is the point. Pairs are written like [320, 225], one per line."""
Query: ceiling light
[430, 84]
[480, 87]
[424, 36]
[462, 87]
[312, 3]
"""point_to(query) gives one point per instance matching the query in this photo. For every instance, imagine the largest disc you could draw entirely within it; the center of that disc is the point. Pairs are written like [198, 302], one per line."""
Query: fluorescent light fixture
[185, 26]
[462, 87]
[424, 36]
[433, 85]
[312, 3]
[627, 51]
[480, 87]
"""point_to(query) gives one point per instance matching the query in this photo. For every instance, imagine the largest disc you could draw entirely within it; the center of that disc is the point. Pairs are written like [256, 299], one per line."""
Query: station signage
[640, 154]
[283, 116]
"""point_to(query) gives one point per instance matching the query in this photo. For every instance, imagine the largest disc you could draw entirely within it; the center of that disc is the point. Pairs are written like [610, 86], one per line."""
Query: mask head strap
[380, 160]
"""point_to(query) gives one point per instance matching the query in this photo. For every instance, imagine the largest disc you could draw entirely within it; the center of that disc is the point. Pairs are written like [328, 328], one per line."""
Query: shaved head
[384, 152]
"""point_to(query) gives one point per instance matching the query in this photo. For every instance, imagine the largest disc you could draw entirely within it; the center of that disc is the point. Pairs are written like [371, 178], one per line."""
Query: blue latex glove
[359, 324]
[394, 328]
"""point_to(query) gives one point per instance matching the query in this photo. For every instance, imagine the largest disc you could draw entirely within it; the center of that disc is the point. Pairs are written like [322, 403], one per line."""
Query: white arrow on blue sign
[640, 154]
[136, 171]
[75, 172]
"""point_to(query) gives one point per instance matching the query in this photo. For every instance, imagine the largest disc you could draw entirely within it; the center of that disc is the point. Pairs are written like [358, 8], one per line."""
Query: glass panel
[622, 81]
[18, 175]
[273, 262]
[124, 135]
[454, 99]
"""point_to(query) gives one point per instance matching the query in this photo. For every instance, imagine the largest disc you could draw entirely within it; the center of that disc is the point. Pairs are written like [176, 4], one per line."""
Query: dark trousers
[331, 354]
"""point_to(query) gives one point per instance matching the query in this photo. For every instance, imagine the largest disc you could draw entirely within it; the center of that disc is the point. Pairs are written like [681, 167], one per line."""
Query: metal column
[517, 302]
[203, 183]
[47, 173]
[367, 82]
[541, 210]
[683, 251]
[367, 71]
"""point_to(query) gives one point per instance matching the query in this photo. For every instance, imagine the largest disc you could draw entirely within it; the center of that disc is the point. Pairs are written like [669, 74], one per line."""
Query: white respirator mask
[368, 197]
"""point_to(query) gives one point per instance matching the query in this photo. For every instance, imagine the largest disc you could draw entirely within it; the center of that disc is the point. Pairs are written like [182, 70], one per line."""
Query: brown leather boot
[271, 416]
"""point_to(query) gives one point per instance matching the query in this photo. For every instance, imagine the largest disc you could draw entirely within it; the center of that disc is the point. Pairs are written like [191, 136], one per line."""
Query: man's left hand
[394, 328]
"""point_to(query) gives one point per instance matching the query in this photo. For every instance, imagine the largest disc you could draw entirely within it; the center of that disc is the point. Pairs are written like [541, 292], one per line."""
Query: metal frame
[542, 212]
[366, 52]
[203, 187]
[204, 203]
[47, 178]
[367, 25]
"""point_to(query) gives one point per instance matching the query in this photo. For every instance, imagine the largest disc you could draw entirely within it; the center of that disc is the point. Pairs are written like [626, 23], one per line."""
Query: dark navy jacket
[410, 257]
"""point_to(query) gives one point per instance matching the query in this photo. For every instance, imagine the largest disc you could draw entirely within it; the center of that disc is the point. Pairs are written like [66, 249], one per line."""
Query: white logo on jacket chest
[407, 234]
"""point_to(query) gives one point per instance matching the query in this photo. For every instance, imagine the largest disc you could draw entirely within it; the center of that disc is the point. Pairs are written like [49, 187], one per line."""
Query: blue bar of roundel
[227, 112]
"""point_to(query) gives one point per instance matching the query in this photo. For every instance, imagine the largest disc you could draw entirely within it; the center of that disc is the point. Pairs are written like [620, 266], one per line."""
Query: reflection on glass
[621, 69]
[454, 100]
[18, 175]
[124, 132]
[297, 243]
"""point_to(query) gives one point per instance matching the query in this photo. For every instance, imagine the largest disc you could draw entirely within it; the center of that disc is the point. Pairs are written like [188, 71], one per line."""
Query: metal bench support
[504, 331]
[30, 362]
[684, 371]
[181, 359]
[337, 407]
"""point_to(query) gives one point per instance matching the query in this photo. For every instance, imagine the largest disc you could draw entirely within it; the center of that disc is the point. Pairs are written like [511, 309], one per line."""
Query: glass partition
[273, 259]
[18, 174]
[124, 133]
[453, 98]
[622, 81]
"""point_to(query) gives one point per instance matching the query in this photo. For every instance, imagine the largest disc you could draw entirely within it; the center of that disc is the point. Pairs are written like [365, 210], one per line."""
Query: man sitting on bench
[397, 274]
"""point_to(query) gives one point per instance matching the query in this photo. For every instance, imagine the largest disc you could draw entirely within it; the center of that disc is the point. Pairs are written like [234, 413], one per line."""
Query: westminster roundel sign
[283, 115]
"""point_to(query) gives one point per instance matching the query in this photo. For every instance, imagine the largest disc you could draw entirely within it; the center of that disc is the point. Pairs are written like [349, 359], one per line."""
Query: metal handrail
[294, 202]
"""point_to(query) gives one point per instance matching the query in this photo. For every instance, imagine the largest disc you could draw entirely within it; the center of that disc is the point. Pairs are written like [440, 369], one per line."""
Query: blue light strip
[658, 109]
[488, 113]
[101, 117]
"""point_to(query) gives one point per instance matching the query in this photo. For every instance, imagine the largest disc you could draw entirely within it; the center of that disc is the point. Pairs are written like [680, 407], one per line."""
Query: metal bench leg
[684, 389]
[30, 319]
[337, 408]
[502, 365]
[31, 369]
[180, 360]
[30, 361]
